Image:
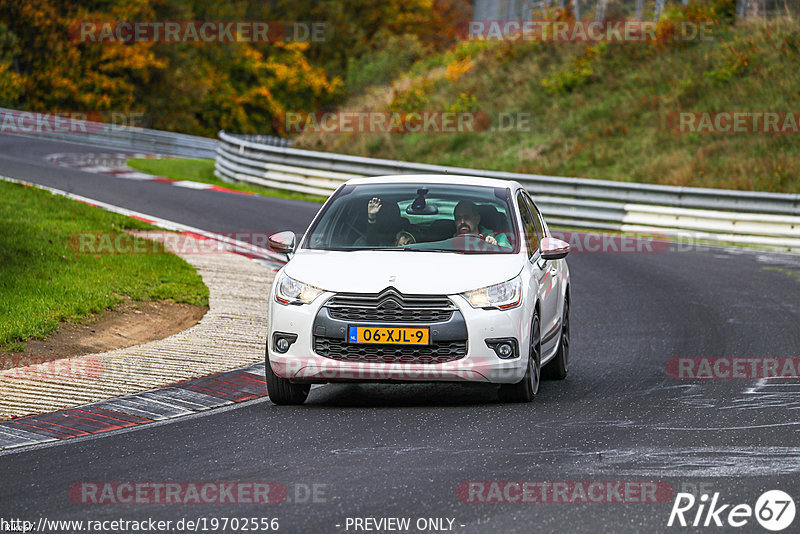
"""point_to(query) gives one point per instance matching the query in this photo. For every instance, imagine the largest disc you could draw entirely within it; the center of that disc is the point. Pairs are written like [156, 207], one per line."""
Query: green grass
[601, 111]
[202, 170]
[794, 273]
[45, 280]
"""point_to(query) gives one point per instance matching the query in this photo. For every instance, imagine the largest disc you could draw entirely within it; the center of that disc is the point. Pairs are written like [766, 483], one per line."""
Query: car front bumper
[480, 364]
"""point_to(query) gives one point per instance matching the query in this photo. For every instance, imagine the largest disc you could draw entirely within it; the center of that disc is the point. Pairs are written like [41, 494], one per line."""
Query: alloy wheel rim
[535, 354]
[565, 337]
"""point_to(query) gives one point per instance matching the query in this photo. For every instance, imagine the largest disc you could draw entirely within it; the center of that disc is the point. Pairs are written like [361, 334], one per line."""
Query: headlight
[291, 291]
[503, 296]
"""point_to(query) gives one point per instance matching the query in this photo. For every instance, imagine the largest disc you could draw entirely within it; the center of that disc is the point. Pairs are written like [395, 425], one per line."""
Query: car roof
[454, 179]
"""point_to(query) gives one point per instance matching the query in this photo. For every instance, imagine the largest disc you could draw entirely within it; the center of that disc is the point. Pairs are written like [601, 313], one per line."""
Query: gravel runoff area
[230, 335]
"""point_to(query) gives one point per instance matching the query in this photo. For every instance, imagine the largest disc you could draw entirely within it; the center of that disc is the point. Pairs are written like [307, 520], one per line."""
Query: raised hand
[491, 240]
[373, 208]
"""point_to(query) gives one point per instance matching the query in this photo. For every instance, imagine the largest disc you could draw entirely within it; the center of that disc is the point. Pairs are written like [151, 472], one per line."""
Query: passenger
[467, 220]
[404, 238]
[384, 225]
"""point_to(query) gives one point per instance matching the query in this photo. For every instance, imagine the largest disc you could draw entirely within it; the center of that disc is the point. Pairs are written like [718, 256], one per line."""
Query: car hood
[414, 272]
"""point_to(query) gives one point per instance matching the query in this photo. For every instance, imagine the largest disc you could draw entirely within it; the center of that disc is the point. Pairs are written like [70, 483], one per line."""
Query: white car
[420, 278]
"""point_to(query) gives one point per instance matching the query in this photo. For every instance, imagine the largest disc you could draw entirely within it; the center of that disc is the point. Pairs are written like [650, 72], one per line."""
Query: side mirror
[283, 242]
[553, 249]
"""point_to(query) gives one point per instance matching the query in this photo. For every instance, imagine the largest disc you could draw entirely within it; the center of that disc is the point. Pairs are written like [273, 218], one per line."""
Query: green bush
[393, 56]
[581, 71]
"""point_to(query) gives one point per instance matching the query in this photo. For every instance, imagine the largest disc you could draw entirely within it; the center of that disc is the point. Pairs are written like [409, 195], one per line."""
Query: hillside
[601, 110]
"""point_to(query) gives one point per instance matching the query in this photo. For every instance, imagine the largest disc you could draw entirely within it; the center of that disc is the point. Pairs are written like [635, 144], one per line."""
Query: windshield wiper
[408, 248]
[428, 249]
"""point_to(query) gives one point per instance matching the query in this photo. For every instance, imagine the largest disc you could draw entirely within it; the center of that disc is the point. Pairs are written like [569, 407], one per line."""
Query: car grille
[390, 306]
[438, 352]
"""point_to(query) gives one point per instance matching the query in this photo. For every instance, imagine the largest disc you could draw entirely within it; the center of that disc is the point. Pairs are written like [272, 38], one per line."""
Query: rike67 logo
[774, 510]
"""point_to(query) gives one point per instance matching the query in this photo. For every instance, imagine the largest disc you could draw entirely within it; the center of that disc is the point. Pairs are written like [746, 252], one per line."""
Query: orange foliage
[201, 87]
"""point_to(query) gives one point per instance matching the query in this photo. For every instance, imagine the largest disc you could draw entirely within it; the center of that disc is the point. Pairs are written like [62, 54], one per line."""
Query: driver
[468, 220]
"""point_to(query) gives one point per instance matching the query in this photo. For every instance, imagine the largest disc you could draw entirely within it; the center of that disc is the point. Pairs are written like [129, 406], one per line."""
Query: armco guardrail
[746, 217]
[116, 136]
[107, 135]
[72, 128]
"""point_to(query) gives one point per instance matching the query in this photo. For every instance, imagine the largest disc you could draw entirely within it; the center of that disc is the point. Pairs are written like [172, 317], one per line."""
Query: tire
[281, 391]
[557, 368]
[525, 390]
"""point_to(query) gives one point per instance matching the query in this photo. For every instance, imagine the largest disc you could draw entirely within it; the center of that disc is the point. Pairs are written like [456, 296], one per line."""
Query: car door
[535, 273]
[549, 283]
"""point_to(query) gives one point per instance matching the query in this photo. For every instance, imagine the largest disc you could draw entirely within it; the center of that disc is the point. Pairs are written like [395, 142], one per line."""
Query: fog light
[282, 341]
[505, 348]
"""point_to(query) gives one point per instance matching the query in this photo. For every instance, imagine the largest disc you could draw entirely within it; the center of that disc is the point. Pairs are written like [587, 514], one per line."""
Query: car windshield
[416, 217]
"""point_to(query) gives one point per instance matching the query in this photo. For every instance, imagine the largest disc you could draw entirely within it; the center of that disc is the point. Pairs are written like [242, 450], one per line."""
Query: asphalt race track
[380, 451]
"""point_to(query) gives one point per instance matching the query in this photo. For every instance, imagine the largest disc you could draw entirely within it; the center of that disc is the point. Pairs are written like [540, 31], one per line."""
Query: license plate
[400, 335]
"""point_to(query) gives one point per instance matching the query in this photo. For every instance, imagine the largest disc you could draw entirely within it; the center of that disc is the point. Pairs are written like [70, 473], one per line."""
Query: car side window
[537, 217]
[528, 225]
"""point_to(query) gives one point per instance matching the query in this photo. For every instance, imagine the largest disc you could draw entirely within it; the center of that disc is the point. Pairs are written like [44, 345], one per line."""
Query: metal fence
[763, 219]
[114, 136]
[108, 135]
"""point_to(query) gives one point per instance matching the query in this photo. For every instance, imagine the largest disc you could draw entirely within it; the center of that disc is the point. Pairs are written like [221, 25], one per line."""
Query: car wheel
[525, 390]
[282, 391]
[558, 367]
